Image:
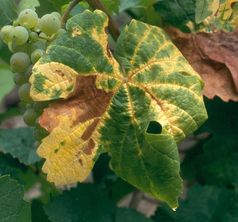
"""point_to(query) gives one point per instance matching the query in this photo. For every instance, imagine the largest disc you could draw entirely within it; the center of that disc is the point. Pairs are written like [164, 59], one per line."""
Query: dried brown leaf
[215, 57]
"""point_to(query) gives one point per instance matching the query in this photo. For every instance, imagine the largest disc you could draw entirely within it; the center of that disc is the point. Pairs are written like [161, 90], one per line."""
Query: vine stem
[94, 4]
[65, 16]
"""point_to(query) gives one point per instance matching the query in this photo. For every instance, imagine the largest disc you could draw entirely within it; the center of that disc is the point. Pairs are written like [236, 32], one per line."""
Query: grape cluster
[27, 38]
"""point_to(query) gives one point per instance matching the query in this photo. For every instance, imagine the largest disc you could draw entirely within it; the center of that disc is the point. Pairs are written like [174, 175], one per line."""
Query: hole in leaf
[154, 128]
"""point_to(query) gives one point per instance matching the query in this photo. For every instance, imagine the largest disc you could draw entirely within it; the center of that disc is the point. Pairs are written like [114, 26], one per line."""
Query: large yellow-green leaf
[135, 106]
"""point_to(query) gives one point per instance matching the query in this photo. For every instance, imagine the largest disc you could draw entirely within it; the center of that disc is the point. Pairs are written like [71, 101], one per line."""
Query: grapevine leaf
[216, 161]
[177, 12]
[228, 119]
[79, 203]
[225, 9]
[234, 17]
[136, 111]
[17, 171]
[27, 178]
[12, 205]
[84, 203]
[19, 143]
[205, 8]
[216, 15]
[214, 57]
[8, 12]
[204, 203]
[102, 174]
[200, 15]
[10, 168]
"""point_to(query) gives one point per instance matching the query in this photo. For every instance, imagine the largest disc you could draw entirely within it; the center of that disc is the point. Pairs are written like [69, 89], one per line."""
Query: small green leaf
[177, 12]
[19, 143]
[205, 8]
[8, 12]
[12, 206]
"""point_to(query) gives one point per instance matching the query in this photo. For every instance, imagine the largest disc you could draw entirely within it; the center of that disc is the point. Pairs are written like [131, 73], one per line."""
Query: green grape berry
[57, 14]
[40, 44]
[39, 132]
[13, 47]
[39, 106]
[30, 117]
[28, 18]
[28, 72]
[34, 37]
[49, 24]
[15, 23]
[20, 62]
[19, 79]
[24, 92]
[43, 36]
[6, 33]
[36, 55]
[28, 106]
[19, 35]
